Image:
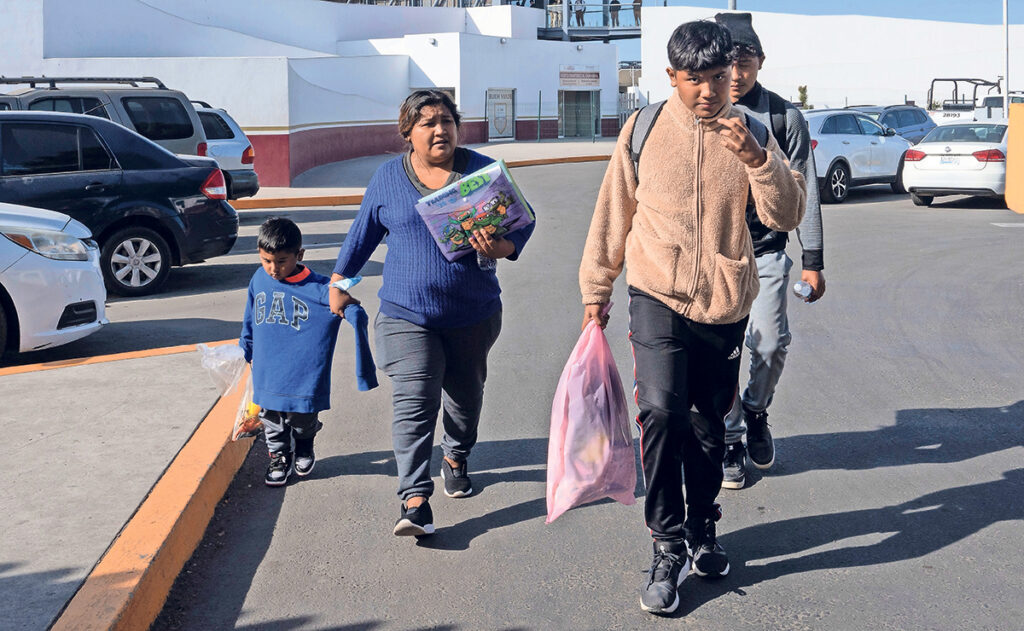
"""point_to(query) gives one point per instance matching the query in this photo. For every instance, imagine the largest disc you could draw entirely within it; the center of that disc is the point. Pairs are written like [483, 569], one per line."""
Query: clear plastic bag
[590, 449]
[226, 365]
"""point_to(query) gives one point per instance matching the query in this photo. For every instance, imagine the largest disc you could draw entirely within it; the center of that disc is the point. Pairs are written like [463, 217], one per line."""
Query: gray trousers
[768, 339]
[280, 427]
[430, 368]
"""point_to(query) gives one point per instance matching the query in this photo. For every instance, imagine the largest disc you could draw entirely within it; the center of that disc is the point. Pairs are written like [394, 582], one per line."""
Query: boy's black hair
[744, 39]
[699, 46]
[279, 234]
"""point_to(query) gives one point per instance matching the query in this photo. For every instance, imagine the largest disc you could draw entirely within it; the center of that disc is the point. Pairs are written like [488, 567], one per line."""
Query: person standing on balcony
[581, 8]
[614, 9]
[636, 11]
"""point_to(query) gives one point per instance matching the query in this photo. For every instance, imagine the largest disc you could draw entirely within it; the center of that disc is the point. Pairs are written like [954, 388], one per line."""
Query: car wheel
[837, 184]
[921, 200]
[135, 261]
[897, 184]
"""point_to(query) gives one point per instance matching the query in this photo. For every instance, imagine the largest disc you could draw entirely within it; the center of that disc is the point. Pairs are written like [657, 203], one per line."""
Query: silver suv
[230, 147]
[164, 116]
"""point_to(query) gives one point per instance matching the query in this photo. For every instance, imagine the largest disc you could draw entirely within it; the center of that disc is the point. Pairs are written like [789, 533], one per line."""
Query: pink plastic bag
[590, 450]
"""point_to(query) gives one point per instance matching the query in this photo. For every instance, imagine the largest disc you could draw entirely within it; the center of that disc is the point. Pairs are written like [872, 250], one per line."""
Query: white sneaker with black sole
[279, 470]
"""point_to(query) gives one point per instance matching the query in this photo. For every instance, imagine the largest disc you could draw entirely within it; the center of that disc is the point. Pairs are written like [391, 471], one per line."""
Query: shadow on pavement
[21, 603]
[234, 545]
[968, 202]
[124, 337]
[302, 216]
[301, 622]
[930, 435]
[873, 194]
[910, 530]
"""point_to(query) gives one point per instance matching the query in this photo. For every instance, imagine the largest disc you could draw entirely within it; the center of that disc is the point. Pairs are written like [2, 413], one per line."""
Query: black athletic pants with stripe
[680, 364]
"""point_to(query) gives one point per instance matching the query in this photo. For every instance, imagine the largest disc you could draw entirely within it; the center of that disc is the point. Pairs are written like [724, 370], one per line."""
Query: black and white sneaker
[415, 522]
[456, 480]
[305, 459]
[760, 446]
[733, 476]
[279, 470]
[670, 566]
[709, 558]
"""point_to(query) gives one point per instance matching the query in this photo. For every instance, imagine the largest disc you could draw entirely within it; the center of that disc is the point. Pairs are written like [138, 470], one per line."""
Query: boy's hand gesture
[738, 139]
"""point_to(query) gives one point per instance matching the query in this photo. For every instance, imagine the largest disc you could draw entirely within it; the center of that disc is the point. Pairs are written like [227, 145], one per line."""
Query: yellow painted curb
[100, 359]
[128, 587]
[354, 200]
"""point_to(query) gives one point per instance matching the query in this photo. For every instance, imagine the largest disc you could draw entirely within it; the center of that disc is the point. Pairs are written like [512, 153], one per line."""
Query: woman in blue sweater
[438, 319]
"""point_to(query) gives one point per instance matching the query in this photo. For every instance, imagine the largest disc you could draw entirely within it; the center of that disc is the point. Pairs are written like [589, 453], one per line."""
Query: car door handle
[96, 186]
[874, 142]
[846, 142]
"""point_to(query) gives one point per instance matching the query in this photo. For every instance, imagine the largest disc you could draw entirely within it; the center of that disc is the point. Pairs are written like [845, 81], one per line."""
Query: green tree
[803, 95]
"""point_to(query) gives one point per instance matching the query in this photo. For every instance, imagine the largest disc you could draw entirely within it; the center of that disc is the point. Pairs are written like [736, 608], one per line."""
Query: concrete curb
[353, 200]
[129, 585]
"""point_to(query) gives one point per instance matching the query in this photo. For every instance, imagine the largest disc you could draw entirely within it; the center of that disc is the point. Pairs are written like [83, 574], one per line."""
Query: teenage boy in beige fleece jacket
[680, 229]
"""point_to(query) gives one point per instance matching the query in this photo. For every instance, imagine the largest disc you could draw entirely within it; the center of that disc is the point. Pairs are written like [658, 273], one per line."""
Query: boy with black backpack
[768, 335]
[676, 217]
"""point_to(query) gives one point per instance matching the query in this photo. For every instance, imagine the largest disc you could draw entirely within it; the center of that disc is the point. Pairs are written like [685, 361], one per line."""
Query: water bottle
[802, 290]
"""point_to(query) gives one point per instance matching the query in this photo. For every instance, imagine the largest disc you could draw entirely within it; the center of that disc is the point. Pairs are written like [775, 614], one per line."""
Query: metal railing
[595, 15]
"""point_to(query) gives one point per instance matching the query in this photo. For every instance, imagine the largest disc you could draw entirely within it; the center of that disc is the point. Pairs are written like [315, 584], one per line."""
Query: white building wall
[848, 59]
[334, 91]
[253, 89]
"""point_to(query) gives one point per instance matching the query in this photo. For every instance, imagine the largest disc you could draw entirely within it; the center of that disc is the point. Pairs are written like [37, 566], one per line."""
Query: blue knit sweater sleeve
[365, 234]
[245, 339]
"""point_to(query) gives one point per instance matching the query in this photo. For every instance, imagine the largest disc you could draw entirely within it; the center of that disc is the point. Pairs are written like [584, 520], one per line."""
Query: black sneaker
[709, 558]
[456, 480]
[670, 566]
[760, 446]
[279, 470]
[733, 476]
[415, 522]
[305, 459]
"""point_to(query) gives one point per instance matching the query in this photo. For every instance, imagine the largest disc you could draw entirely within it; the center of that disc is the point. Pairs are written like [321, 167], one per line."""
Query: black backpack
[650, 112]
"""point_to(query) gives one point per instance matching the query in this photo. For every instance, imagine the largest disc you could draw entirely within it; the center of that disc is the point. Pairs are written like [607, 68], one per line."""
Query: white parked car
[230, 147]
[51, 287]
[957, 159]
[851, 150]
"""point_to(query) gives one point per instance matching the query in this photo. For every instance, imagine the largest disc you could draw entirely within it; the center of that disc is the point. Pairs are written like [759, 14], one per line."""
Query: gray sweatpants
[280, 427]
[428, 368]
[767, 338]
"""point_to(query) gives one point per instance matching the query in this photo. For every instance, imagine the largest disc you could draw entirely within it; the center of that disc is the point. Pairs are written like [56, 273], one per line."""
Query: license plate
[954, 160]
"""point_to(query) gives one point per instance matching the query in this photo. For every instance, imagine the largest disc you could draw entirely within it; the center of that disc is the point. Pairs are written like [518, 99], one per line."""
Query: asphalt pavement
[896, 501]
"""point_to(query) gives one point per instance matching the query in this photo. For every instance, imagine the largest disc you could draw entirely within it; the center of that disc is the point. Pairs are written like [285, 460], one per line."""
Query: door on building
[579, 113]
[501, 113]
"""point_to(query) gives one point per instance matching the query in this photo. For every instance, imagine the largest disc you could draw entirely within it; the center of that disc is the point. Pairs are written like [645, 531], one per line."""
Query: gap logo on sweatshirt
[278, 315]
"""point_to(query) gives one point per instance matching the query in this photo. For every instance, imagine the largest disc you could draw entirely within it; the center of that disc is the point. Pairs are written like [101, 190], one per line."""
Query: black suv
[147, 207]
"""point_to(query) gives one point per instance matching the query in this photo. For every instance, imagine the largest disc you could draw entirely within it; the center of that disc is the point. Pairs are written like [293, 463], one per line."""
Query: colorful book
[487, 200]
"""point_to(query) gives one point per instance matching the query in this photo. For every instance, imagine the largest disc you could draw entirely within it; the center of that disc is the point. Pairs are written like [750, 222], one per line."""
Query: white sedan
[957, 159]
[51, 287]
[851, 150]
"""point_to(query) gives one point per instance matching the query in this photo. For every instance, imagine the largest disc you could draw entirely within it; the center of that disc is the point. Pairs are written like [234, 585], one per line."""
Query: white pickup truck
[991, 107]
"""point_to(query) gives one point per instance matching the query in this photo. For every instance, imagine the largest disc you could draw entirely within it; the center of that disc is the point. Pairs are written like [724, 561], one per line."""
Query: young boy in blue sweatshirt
[288, 335]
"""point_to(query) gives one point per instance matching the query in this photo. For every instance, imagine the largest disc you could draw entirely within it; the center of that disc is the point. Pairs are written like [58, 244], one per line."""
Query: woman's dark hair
[279, 234]
[409, 113]
[699, 46]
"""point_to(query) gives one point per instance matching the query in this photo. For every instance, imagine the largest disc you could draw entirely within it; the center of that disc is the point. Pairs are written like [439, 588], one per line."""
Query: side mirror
[889, 131]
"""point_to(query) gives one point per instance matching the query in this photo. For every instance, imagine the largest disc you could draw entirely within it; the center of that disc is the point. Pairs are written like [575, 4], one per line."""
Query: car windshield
[966, 133]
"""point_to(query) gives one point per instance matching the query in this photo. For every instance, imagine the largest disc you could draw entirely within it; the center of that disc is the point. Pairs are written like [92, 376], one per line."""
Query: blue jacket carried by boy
[289, 334]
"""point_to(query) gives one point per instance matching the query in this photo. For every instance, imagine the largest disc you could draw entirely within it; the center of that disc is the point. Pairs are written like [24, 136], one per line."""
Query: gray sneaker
[733, 476]
[670, 566]
[709, 558]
